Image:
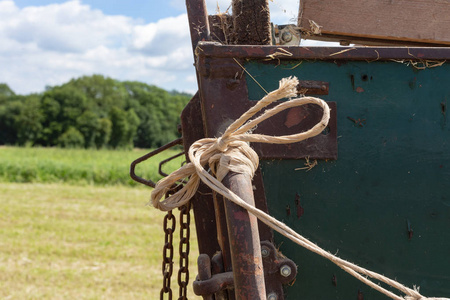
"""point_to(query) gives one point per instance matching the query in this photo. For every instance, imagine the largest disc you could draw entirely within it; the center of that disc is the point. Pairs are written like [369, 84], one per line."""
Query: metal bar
[204, 272]
[203, 207]
[198, 21]
[215, 50]
[243, 236]
[160, 171]
[133, 165]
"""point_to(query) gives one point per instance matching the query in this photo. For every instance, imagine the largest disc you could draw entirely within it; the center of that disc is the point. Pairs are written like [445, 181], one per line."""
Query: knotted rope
[231, 152]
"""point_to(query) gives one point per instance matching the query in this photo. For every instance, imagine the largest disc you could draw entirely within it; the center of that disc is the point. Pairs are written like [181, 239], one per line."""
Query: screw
[272, 296]
[286, 36]
[285, 271]
[265, 251]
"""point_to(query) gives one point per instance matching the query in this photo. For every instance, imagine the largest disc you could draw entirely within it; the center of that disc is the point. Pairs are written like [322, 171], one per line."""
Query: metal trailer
[373, 187]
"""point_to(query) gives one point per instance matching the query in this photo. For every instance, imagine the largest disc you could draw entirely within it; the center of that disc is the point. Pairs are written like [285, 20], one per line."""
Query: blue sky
[48, 42]
[148, 10]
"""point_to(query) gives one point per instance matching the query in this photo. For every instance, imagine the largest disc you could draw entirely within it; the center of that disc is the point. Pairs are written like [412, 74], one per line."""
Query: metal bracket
[225, 98]
[287, 35]
[278, 270]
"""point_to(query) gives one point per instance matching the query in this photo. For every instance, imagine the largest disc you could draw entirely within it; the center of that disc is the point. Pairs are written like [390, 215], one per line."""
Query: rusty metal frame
[216, 50]
[162, 163]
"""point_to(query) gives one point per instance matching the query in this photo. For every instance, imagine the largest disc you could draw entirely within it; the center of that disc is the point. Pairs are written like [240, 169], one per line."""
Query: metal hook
[149, 182]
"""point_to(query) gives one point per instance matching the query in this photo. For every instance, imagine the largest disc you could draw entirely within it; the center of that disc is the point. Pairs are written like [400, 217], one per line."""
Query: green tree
[88, 124]
[28, 122]
[104, 111]
[103, 92]
[8, 114]
[71, 138]
[5, 92]
[104, 133]
[120, 128]
[61, 107]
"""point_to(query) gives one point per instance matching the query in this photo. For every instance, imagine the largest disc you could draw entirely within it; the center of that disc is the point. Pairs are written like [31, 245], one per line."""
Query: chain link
[183, 272]
[169, 225]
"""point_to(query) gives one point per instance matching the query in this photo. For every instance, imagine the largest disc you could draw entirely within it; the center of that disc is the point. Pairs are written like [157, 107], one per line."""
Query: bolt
[285, 271]
[286, 36]
[265, 251]
[272, 296]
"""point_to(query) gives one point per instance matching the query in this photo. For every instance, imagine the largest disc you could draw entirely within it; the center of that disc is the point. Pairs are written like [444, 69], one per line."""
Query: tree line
[91, 112]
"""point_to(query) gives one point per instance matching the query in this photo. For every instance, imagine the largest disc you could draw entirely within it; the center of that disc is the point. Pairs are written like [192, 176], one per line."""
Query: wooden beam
[407, 21]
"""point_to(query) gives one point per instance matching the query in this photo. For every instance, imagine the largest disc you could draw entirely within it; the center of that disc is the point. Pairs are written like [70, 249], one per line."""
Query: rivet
[272, 296]
[265, 251]
[285, 271]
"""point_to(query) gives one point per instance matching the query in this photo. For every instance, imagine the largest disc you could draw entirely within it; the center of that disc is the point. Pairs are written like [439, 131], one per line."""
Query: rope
[231, 152]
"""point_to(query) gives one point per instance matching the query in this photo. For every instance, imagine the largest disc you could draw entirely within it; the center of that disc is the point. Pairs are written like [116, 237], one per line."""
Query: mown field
[66, 234]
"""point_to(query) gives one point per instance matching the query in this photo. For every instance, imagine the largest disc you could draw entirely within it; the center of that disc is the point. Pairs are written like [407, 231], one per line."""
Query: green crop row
[79, 166]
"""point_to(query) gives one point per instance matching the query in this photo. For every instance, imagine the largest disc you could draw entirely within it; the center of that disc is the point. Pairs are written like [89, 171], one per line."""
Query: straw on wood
[231, 152]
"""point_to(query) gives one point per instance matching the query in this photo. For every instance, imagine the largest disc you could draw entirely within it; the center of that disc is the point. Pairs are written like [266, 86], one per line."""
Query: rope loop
[232, 151]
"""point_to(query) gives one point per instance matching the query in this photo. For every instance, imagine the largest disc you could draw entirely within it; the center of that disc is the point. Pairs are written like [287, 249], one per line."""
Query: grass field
[79, 166]
[80, 240]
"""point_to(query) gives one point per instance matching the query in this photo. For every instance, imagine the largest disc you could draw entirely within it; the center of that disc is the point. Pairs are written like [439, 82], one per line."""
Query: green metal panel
[393, 168]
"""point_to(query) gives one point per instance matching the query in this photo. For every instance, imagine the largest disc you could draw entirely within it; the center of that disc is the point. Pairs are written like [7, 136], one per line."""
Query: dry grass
[80, 242]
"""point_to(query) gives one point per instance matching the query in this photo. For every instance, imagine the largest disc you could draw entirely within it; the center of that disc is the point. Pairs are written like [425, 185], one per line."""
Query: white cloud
[48, 45]
[284, 11]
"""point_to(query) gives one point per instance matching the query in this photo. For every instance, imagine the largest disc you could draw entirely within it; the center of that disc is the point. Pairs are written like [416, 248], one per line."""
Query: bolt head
[265, 252]
[285, 271]
[272, 296]
[286, 36]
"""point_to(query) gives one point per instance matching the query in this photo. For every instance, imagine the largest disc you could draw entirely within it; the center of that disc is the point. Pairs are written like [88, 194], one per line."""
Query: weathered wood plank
[416, 21]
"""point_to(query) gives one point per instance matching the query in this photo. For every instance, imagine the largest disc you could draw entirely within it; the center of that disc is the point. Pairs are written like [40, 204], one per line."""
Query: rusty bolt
[272, 296]
[286, 36]
[285, 271]
[265, 251]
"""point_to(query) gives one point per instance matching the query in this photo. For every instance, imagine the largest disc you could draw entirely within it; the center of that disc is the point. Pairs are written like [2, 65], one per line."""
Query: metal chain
[183, 272]
[169, 225]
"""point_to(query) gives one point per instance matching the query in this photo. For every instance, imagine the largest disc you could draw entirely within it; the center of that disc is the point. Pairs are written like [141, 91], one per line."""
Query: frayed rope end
[288, 87]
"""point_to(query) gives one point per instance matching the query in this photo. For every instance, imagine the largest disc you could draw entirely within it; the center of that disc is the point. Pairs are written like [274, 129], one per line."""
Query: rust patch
[300, 209]
[359, 89]
[295, 116]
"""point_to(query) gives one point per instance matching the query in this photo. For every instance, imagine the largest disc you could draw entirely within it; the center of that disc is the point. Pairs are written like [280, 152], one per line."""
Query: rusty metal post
[243, 236]
[198, 21]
